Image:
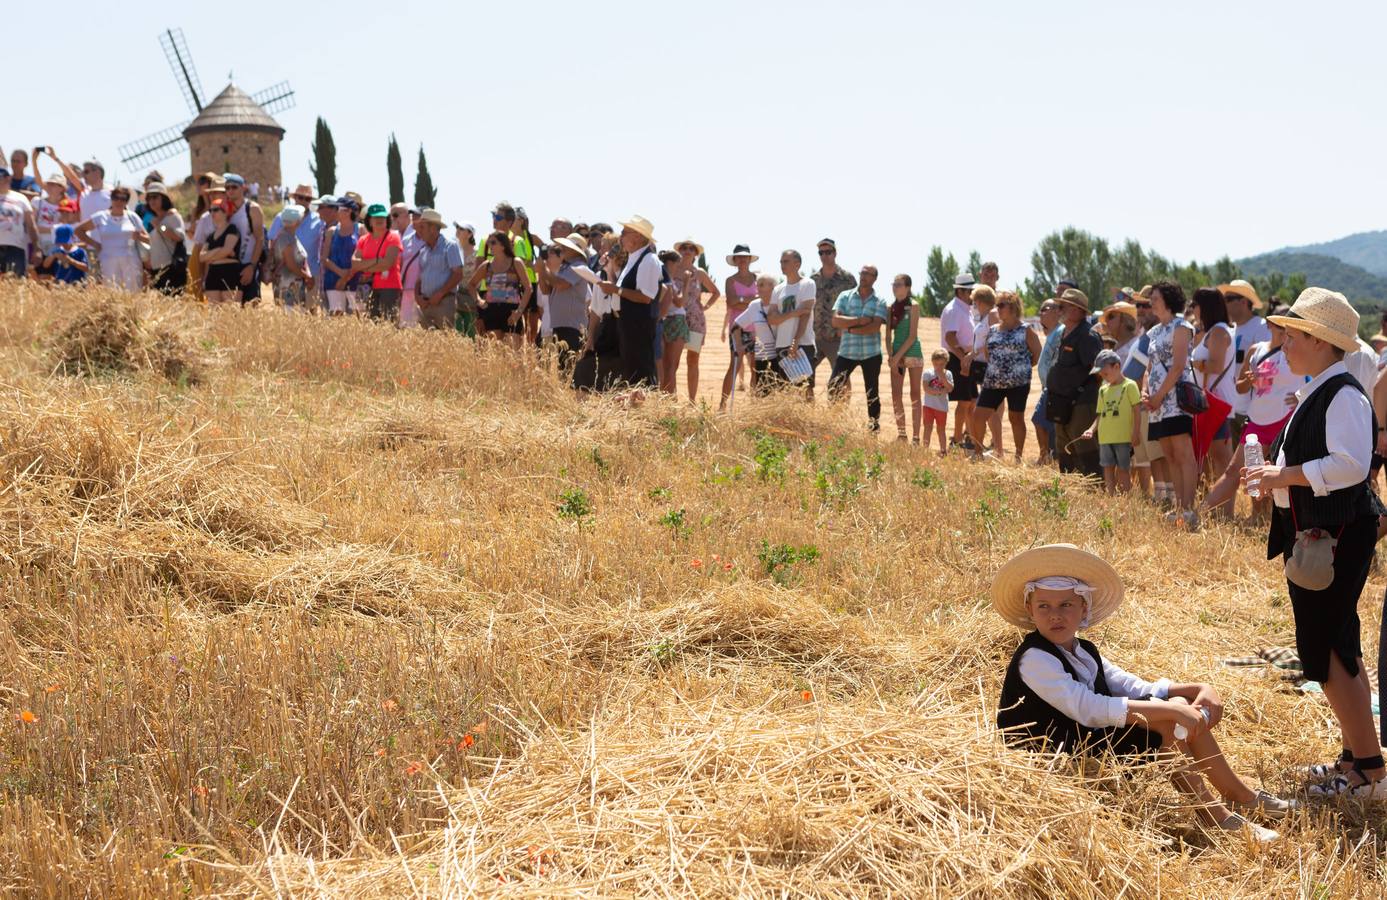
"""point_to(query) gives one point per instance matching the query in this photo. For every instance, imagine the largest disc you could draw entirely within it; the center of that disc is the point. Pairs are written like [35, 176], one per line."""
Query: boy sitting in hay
[1059, 692]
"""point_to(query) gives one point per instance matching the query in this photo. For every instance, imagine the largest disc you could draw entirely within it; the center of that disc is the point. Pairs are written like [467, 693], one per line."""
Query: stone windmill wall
[234, 134]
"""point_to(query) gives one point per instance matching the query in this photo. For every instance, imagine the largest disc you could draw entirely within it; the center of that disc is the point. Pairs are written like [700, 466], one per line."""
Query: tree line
[324, 168]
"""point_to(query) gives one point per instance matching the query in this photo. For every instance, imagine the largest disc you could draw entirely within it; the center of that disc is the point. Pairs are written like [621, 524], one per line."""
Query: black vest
[1304, 440]
[1027, 719]
[629, 283]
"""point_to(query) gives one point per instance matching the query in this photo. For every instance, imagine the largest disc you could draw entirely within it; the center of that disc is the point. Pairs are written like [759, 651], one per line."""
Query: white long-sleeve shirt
[1348, 435]
[1078, 700]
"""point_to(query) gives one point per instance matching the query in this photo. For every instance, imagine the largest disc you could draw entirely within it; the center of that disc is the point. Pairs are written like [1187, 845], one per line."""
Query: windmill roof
[233, 110]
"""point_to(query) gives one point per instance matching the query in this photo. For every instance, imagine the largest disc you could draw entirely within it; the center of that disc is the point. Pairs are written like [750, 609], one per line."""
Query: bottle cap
[1250, 438]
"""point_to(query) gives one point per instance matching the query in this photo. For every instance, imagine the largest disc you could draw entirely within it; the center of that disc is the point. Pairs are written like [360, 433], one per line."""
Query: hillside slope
[1326, 271]
[1366, 249]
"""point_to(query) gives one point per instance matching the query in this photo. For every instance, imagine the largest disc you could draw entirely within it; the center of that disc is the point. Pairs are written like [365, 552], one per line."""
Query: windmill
[234, 132]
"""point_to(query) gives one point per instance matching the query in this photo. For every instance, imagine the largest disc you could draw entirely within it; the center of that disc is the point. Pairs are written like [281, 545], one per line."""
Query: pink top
[372, 247]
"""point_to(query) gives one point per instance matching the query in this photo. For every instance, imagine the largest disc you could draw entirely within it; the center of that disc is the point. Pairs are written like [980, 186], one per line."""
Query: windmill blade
[276, 98]
[184, 72]
[154, 148]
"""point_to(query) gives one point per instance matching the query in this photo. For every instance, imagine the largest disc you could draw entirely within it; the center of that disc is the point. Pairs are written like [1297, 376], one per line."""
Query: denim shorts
[1119, 455]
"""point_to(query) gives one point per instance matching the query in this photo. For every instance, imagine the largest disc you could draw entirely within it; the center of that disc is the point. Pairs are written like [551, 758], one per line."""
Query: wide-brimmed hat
[1242, 289]
[57, 179]
[304, 190]
[964, 281]
[1378, 338]
[698, 248]
[1009, 584]
[741, 250]
[640, 225]
[1075, 297]
[575, 243]
[433, 217]
[1325, 314]
[155, 187]
[1122, 307]
[218, 184]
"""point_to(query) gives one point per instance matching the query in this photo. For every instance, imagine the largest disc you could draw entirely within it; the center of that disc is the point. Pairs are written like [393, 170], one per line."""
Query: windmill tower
[233, 133]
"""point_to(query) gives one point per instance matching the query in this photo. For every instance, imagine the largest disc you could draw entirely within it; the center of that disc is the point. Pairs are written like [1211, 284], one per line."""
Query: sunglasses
[1146, 305]
[827, 252]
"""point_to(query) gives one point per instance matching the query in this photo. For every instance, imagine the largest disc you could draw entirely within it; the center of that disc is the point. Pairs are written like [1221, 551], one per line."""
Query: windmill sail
[184, 72]
[275, 98]
[154, 148]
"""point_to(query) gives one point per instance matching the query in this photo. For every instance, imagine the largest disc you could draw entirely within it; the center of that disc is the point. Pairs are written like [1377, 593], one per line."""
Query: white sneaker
[1236, 823]
[1267, 804]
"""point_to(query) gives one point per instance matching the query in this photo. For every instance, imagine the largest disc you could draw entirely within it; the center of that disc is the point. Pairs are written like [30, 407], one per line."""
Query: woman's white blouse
[1044, 674]
[1348, 435]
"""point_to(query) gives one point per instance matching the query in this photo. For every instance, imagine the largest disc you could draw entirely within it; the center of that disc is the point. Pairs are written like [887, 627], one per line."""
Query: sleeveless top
[1008, 358]
[340, 252]
[241, 219]
[224, 268]
[1162, 353]
[693, 304]
[900, 333]
[502, 287]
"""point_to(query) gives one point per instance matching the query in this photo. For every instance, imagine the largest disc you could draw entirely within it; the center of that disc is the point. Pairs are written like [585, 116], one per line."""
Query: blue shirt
[1137, 361]
[1050, 352]
[851, 305]
[436, 264]
[310, 234]
[65, 274]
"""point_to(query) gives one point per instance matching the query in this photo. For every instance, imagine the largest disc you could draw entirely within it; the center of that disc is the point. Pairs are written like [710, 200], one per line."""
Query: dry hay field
[306, 608]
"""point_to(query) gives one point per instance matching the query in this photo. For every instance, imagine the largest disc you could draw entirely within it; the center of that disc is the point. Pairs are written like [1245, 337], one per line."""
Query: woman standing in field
[740, 291]
[906, 359]
[693, 282]
[117, 233]
[1011, 351]
[507, 290]
[221, 265]
[1169, 350]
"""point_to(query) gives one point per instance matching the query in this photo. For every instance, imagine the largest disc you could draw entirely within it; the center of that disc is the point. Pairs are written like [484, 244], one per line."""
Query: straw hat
[1121, 306]
[1242, 289]
[741, 250]
[432, 217]
[575, 243]
[640, 225]
[698, 248]
[1322, 313]
[1009, 584]
[1076, 297]
[304, 190]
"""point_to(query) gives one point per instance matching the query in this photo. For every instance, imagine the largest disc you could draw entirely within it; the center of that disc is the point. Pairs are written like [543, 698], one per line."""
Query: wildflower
[696, 563]
[727, 567]
[27, 717]
[716, 558]
[807, 696]
[53, 689]
[414, 768]
[390, 706]
[467, 741]
[201, 791]
[380, 751]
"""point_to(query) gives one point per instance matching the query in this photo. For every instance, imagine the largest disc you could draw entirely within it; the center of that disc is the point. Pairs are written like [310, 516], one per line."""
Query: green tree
[974, 262]
[424, 191]
[940, 271]
[324, 165]
[1072, 255]
[395, 171]
[1225, 270]
[1295, 283]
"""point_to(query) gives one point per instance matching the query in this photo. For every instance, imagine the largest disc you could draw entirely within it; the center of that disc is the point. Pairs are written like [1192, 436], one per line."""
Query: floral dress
[1008, 358]
[1162, 354]
[693, 304]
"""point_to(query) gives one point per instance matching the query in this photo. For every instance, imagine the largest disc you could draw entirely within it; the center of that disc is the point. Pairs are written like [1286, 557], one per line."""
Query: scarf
[898, 312]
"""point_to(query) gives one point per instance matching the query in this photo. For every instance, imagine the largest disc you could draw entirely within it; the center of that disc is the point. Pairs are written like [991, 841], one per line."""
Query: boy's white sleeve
[1045, 675]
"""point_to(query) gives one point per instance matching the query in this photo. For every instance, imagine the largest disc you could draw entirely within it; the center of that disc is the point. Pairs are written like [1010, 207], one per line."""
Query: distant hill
[1367, 250]
[1352, 281]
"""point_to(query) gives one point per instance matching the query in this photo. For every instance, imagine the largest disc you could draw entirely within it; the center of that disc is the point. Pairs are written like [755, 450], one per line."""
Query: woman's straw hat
[1009, 584]
[575, 243]
[1242, 289]
[741, 250]
[698, 248]
[640, 225]
[1322, 313]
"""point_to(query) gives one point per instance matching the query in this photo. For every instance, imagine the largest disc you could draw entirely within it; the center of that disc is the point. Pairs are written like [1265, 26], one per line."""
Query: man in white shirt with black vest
[638, 288]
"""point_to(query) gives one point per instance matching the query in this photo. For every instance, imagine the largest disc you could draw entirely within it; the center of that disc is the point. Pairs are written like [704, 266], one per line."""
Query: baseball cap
[62, 234]
[233, 178]
[4, 172]
[829, 241]
[1104, 359]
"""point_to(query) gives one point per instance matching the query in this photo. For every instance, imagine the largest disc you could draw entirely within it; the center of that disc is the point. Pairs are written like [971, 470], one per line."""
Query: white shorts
[694, 342]
[337, 300]
[125, 272]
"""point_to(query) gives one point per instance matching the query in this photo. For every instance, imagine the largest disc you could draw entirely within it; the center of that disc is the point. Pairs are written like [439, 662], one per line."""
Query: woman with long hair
[906, 359]
[740, 291]
[507, 290]
[1170, 346]
[527, 246]
[1214, 361]
[693, 282]
[674, 319]
[168, 256]
[466, 319]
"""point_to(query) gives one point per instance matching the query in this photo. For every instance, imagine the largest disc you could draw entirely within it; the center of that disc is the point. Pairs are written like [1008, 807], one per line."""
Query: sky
[1198, 129]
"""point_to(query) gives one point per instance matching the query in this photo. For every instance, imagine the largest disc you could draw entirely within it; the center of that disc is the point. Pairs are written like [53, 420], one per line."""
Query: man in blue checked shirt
[858, 316]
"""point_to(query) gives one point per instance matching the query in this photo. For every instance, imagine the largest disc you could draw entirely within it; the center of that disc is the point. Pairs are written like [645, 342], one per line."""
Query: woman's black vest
[1030, 721]
[1304, 440]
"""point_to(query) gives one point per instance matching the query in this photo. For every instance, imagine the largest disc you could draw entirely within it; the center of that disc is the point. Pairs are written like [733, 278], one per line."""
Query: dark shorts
[250, 291]
[14, 261]
[1015, 397]
[496, 317]
[1327, 621]
[1165, 428]
[965, 386]
[1224, 431]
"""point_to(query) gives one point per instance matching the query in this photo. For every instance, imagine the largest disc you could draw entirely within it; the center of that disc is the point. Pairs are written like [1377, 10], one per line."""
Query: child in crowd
[1117, 422]
[938, 384]
[1059, 692]
[66, 261]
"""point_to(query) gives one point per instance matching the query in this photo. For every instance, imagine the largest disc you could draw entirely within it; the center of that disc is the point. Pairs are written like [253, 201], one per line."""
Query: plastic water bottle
[1252, 456]
[1180, 731]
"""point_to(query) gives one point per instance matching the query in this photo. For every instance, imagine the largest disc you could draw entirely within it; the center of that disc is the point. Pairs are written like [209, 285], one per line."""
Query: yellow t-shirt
[1116, 403]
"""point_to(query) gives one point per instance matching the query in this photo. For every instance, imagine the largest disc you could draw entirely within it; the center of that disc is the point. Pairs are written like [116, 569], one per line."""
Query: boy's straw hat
[1009, 584]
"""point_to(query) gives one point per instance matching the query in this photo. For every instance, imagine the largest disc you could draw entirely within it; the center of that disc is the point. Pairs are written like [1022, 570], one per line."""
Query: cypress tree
[424, 191]
[324, 165]
[395, 170]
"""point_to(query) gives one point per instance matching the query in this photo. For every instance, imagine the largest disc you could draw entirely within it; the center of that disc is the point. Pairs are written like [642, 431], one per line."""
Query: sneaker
[1171, 516]
[1259, 833]
[1270, 806]
[1191, 520]
[1341, 786]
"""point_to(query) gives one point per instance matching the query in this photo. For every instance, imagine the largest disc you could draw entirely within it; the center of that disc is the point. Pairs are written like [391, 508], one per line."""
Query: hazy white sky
[1198, 128]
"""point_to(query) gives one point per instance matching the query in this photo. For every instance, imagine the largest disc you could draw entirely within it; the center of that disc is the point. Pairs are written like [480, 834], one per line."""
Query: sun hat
[155, 187]
[1104, 358]
[640, 225]
[1075, 297]
[233, 178]
[964, 281]
[1121, 307]
[291, 214]
[698, 248]
[210, 176]
[304, 190]
[432, 217]
[1009, 584]
[218, 184]
[465, 225]
[1324, 314]
[575, 243]
[62, 234]
[1378, 337]
[741, 250]
[1243, 289]
[57, 179]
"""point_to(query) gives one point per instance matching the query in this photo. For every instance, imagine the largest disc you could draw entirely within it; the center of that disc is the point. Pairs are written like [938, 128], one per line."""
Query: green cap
[376, 209]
